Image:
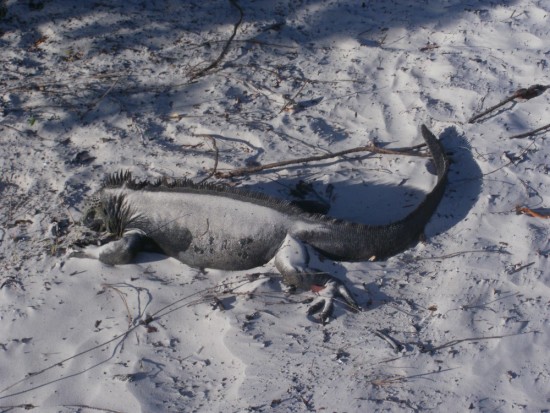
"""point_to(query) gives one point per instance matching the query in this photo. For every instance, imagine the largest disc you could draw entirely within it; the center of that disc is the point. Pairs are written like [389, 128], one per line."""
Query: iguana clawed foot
[324, 303]
[293, 261]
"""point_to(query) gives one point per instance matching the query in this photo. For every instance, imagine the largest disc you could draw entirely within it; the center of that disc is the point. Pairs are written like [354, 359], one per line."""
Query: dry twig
[452, 343]
[522, 94]
[225, 49]
[123, 298]
[517, 268]
[162, 312]
[530, 133]
[456, 254]
[291, 101]
[93, 105]
[511, 161]
[409, 151]
[26, 406]
[216, 157]
[385, 381]
[85, 406]
[396, 345]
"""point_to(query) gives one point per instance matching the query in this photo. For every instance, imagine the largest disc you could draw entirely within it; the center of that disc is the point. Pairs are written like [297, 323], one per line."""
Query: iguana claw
[324, 303]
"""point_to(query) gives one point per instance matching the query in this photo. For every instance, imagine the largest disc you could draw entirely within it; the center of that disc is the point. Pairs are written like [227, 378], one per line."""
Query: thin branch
[401, 379]
[291, 101]
[60, 363]
[216, 157]
[225, 49]
[409, 151]
[162, 312]
[522, 94]
[26, 132]
[93, 105]
[511, 161]
[84, 406]
[530, 133]
[520, 267]
[396, 345]
[452, 343]
[26, 406]
[277, 74]
[251, 40]
[492, 108]
[123, 298]
[456, 254]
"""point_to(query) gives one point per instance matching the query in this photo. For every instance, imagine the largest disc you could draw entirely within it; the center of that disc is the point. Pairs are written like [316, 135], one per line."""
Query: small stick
[158, 314]
[453, 343]
[410, 151]
[93, 105]
[225, 49]
[530, 133]
[521, 267]
[511, 161]
[216, 157]
[456, 254]
[26, 406]
[84, 406]
[26, 132]
[123, 298]
[523, 94]
[291, 101]
[396, 345]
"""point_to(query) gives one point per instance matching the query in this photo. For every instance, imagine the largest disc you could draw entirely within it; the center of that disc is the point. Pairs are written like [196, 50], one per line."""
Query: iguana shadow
[378, 204]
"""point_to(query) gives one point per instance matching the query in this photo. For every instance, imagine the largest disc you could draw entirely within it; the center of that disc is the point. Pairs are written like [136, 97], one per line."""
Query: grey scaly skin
[209, 226]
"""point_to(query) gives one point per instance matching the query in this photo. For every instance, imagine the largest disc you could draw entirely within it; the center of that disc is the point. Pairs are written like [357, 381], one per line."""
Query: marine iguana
[211, 226]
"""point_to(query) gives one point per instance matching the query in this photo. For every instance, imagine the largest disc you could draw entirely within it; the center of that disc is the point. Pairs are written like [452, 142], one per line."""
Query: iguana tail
[348, 241]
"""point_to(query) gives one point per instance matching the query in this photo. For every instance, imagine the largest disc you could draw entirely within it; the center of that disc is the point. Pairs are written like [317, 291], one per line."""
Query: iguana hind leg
[121, 251]
[292, 261]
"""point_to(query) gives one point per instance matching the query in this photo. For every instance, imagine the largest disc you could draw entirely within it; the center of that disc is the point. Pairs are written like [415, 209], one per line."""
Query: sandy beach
[457, 323]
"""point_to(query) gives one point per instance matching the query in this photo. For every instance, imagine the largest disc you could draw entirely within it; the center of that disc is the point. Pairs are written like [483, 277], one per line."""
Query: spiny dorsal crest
[123, 179]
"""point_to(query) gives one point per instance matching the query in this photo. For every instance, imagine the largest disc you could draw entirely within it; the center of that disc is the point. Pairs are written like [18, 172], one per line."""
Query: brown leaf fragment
[521, 210]
[38, 42]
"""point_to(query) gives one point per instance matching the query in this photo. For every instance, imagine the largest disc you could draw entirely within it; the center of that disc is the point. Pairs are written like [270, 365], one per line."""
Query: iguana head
[95, 214]
[108, 211]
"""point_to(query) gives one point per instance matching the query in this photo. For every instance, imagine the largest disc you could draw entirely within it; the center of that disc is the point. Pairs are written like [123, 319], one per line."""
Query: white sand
[87, 88]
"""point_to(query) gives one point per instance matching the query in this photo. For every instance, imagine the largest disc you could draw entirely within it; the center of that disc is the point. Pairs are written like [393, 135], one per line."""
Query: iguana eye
[92, 219]
[89, 217]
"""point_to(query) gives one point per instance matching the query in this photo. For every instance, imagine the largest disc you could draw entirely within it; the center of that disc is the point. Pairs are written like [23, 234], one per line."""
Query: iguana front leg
[292, 261]
[121, 251]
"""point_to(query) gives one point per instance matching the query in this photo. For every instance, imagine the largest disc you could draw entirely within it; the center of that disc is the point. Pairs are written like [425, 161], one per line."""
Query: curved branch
[410, 151]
